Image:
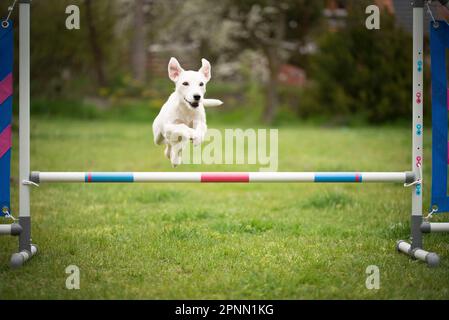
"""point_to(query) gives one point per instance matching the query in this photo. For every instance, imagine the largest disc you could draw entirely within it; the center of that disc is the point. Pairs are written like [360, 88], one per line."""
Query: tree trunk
[272, 53]
[272, 100]
[138, 47]
[97, 53]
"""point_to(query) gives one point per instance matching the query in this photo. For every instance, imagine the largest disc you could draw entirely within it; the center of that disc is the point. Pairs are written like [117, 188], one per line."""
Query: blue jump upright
[6, 65]
[439, 39]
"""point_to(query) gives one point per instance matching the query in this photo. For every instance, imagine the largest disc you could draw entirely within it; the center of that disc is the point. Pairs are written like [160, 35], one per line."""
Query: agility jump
[411, 178]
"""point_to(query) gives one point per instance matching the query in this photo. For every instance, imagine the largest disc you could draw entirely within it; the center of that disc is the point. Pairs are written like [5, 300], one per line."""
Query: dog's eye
[185, 83]
[201, 84]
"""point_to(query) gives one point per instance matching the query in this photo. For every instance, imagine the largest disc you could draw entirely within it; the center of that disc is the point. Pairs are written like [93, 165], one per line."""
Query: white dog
[182, 118]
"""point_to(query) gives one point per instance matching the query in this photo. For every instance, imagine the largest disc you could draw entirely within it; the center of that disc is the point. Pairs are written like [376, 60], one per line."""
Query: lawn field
[220, 241]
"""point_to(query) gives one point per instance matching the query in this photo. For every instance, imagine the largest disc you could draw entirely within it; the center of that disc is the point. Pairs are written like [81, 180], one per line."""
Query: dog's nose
[197, 97]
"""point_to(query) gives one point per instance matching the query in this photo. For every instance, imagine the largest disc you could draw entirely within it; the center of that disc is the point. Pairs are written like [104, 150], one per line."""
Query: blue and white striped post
[6, 91]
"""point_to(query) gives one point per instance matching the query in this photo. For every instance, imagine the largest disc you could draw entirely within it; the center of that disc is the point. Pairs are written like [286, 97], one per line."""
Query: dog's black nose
[197, 97]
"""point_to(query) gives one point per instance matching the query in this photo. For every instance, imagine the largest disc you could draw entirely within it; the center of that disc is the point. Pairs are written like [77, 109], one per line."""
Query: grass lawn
[221, 241]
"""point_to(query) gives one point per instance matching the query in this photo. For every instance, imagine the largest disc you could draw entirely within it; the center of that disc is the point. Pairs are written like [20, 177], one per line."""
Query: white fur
[179, 121]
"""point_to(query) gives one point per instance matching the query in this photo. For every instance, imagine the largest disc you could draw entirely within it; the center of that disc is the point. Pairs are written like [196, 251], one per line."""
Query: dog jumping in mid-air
[182, 118]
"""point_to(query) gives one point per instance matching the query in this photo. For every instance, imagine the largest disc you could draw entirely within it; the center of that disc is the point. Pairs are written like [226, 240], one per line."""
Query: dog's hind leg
[158, 136]
[175, 154]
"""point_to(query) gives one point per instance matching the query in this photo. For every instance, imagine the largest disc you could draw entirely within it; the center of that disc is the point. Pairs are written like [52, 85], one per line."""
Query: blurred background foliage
[274, 61]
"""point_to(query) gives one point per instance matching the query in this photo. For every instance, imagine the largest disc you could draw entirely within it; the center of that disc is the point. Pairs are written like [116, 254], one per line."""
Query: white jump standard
[28, 179]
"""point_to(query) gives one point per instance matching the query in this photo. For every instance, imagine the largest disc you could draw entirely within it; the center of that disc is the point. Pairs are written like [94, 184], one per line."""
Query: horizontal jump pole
[215, 177]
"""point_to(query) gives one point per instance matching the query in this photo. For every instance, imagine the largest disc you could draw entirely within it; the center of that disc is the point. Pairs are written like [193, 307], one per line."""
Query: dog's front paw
[196, 139]
[175, 162]
[196, 142]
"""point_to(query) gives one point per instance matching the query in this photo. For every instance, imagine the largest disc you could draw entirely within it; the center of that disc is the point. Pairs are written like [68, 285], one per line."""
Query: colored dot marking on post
[418, 129]
[418, 161]
[418, 97]
[418, 189]
[419, 66]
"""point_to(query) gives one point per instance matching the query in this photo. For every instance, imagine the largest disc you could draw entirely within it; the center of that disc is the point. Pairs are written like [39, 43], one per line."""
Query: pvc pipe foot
[431, 258]
[403, 246]
[18, 259]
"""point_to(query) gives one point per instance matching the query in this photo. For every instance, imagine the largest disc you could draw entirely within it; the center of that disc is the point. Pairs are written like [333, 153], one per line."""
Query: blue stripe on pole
[439, 42]
[109, 177]
[6, 44]
[338, 177]
[6, 65]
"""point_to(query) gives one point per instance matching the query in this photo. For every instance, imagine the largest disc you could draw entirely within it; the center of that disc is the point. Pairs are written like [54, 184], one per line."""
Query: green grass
[191, 241]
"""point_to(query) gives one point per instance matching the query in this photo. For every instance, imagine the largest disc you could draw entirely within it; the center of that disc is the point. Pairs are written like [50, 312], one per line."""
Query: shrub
[361, 73]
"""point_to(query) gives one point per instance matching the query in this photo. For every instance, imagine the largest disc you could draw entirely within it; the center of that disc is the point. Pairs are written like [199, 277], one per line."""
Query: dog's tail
[212, 103]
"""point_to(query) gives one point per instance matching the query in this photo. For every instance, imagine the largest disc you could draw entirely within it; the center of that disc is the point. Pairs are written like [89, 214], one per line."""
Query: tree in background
[145, 17]
[360, 72]
[95, 45]
[199, 24]
[356, 72]
[138, 43]
[146, 22]
[63, 61]
[275, 28]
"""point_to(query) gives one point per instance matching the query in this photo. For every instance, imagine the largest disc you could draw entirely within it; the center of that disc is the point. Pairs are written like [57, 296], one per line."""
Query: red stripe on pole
[5, 140]
[5, 88]
[358, 177]
[89, 177]
[224, 177]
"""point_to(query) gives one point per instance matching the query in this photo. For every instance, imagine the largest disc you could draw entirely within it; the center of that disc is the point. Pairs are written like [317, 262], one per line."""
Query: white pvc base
[18, 259]
[431, 258]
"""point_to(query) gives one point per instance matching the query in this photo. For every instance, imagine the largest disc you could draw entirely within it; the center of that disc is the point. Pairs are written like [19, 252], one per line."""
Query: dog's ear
[174, 69]
[205, 69]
